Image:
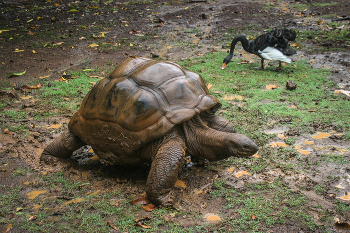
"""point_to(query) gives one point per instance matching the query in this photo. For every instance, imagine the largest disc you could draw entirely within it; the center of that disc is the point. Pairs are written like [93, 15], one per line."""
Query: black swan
[271, 46]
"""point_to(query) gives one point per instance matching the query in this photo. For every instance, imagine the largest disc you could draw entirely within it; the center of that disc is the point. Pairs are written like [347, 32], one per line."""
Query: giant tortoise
[151, 111]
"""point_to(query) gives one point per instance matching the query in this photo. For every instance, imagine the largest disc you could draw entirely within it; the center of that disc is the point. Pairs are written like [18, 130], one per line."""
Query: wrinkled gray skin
[210, 137]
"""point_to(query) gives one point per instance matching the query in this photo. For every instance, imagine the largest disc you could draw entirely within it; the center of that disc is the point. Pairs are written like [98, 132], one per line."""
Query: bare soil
[39, 27]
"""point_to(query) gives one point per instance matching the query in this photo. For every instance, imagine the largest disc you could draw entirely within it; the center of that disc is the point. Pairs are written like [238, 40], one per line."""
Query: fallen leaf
[242, 173]
[31, 218]
[231, 169]
[149, 207]
[8, 228]
[113, 226]
[320, 135]
[18, 51]
[59, 43]
[341, 224]
[254, 217]
[17, 74]
[35, 193]
[31, 87]
[272, 86]
[212, 218]
[256, 155]
[278, 144]
[53, 127]
[93, 45]
[304, 152]
[26, 97]
[7, 131]
[44, 77]
[209, 86]
[180, 184]
[199, 191]
[143, 226]
[243, 62]
[233, 97]
[346, 197]
[141, 200]
[73, 201]
[339, 186]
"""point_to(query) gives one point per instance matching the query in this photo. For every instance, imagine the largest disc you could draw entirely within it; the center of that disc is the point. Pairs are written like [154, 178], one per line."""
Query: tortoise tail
[63, 146]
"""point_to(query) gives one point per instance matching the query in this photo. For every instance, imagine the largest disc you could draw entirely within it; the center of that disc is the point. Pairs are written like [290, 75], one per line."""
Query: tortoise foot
[49, 159]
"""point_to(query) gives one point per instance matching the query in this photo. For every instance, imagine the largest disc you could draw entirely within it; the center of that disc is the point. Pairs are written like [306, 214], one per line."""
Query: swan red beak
[223, 66]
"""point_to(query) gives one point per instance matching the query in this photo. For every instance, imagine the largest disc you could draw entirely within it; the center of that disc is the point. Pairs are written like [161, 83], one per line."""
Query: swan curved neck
[243, 40]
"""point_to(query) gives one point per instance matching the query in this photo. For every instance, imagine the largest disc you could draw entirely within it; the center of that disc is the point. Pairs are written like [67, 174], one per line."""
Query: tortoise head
[215, 143]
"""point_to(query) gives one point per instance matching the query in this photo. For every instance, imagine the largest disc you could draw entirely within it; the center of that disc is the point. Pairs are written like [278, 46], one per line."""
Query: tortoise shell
[139, 102]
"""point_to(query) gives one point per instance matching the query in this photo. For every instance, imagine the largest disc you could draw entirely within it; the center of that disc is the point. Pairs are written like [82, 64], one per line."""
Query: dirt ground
[48, 38]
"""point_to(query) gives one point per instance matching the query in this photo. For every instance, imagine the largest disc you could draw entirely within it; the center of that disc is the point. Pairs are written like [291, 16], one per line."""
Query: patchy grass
[258, 106]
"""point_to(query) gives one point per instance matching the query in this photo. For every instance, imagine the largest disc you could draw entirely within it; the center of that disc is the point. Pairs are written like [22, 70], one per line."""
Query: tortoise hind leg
[61, 147]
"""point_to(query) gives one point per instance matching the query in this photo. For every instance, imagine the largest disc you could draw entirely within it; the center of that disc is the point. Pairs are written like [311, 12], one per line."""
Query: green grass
[68, 95]
[259, 106]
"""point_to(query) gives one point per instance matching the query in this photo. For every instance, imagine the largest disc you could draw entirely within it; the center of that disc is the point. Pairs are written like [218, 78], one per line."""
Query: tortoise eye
[247, 147]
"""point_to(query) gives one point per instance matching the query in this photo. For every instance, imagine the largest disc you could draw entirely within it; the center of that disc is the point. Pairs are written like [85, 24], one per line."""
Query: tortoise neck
[201, 140]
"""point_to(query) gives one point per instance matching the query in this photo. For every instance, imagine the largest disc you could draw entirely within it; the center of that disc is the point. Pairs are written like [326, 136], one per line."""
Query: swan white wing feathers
[270, 53]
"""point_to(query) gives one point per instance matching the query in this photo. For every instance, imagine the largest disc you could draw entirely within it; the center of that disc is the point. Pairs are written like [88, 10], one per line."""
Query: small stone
[291, 85]
[154, 55]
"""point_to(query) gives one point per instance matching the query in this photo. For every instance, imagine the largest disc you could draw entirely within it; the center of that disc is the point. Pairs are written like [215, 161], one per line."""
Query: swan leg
[262, 63]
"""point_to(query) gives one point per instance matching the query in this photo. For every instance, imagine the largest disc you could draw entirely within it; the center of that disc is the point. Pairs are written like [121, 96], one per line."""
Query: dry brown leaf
[113, 226]
[271, 86]
[243, 62]
[35, 193]
[26, 97]
[59, 43]
[7, 131]
[341, 224]
[346, 197]
[278, 144]
[8, 228]
[242, 173]
[212, 218]
[31, 218]
[73, 201]
[31, 87]
[53, 127]
[232, 97]
[209, 86]
[180, 184]
[143, 226]
[141, 200]
[320, 135]
[149, 207]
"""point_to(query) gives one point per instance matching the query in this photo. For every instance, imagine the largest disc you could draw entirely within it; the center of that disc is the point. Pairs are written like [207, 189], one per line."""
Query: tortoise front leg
[61, 147]
[165, 169]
